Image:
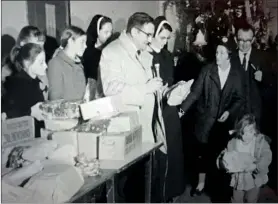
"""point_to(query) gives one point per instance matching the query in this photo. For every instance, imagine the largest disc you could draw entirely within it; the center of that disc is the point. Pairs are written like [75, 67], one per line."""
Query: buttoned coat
[120, 62]
[212, 102]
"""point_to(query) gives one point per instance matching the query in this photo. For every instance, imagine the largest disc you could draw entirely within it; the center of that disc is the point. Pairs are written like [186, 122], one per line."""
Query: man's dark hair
[138, 19]
[245, 27]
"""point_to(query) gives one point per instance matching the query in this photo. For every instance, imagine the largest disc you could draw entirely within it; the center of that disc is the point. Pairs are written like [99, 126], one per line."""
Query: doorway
[51, 17]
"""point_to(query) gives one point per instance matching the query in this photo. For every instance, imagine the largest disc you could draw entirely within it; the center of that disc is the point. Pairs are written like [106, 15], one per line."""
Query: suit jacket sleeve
[196, 90]
[55, 77]
[111, 70]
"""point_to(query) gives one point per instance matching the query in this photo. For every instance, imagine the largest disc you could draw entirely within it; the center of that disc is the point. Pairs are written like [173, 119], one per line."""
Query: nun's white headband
[160, 25]
[98, 24]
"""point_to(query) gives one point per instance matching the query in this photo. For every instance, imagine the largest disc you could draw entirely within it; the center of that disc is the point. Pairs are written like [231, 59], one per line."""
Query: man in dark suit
[252, 68]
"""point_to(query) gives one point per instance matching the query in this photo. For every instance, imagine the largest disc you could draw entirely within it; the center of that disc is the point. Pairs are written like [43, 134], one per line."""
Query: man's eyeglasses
[149, 35]
[244, 41]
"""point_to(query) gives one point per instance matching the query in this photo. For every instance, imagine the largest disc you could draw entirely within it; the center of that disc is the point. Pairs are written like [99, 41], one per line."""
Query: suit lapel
[253, 61]
[128, 46]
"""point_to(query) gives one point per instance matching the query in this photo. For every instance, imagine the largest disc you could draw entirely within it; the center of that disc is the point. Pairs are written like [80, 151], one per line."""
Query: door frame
[31, 16]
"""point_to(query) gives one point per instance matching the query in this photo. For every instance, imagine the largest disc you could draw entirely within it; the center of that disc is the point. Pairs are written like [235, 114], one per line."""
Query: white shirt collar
[223, 75]
[241, 55]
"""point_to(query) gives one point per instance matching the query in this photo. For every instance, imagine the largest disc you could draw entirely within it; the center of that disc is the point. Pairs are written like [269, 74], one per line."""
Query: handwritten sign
[17, 130]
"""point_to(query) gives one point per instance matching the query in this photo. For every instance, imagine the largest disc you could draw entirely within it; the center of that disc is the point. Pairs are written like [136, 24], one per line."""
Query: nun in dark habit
[98, 32]
[169, 181]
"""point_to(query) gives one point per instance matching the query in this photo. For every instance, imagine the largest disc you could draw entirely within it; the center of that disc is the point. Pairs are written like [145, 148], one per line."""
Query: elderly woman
[218, 94]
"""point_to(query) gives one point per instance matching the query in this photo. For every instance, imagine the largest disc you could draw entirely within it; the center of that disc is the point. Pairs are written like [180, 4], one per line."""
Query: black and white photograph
[166, 101]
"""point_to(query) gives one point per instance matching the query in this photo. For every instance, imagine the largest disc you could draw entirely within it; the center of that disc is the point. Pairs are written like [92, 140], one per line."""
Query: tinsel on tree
[202, 20]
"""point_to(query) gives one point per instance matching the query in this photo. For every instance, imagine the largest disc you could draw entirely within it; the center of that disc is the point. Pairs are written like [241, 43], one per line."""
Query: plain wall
[82, 12]
[14, 17]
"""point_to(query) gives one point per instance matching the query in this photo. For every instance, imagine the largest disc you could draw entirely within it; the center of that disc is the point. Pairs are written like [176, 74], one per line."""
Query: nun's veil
[158, 22]
[92, 31]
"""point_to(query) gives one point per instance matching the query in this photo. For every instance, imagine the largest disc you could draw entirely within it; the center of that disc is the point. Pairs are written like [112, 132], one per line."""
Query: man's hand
[154, 85]
[224, 117]
[258, 75]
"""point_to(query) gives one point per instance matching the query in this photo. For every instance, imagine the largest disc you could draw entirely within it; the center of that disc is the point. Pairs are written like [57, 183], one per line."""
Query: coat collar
[144, 60]
[215, 77]
[62, 55]
[128, 44]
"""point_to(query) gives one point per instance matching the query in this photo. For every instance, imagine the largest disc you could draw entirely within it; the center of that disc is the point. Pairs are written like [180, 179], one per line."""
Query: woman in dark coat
[218, 93]
[98, 32]
[24, 89]
[169, 166]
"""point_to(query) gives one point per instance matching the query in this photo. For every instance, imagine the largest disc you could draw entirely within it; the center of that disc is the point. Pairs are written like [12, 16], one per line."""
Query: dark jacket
[211, 101]
[91, 58]
[22, 93]
[253, 89]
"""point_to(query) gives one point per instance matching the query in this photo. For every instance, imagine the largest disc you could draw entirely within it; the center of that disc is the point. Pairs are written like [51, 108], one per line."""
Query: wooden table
[91, 183]
[146, 150]
[111, 169]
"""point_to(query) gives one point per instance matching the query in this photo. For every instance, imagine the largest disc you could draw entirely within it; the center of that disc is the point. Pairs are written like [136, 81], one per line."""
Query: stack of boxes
[100, 131]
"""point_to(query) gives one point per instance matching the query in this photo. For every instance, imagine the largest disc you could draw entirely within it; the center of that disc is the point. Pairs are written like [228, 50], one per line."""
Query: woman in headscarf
[98, 32]
[170, 176]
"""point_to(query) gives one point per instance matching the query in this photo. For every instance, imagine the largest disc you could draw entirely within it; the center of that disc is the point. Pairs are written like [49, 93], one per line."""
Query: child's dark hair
[245, 121]
[27, 32]
[27, 52]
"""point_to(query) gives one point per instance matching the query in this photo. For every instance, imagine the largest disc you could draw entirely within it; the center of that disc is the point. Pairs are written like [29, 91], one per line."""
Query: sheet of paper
[50, 20]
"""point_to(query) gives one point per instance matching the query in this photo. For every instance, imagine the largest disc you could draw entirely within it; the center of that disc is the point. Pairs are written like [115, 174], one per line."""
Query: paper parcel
[116, 146]
[123, 122]
[101, 108]
[83, 142]
[17, 130]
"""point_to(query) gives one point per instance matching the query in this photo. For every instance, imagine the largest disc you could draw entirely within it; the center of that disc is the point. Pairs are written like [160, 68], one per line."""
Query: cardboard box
[17, 130]
[124, 122]
[116, 146]
[84, 142]
[56, 125]
[100, 108]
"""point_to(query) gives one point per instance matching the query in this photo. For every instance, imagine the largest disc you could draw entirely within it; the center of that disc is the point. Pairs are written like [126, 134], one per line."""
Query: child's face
[248, 133]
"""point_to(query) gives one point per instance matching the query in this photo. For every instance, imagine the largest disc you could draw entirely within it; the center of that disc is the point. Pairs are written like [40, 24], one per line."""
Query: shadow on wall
[8, 42]
[119, 25]
[75, 21]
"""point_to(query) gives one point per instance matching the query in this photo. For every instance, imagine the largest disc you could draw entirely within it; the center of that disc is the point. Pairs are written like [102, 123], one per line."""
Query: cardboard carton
[124, 122]
[116, 146]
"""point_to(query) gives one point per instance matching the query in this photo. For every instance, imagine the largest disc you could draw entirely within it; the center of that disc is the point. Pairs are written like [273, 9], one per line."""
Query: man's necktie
[244, 61]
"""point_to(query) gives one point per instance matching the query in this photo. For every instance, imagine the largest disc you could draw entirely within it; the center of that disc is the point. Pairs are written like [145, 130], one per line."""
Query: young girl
[28, 34]
[247, 158]
[24, 92]
[65, 71]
